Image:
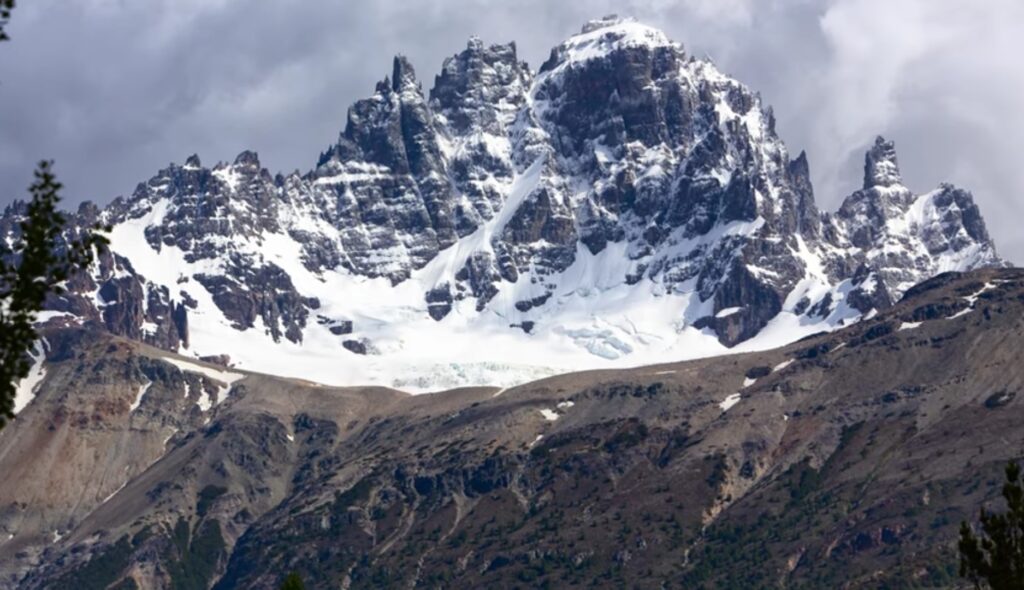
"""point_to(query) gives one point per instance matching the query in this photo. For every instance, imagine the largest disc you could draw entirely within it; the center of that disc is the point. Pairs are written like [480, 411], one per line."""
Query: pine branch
[6, 6]
[35, 266]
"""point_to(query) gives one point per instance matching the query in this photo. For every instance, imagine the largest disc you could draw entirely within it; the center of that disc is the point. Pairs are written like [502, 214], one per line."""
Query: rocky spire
[403, 75]
[808, 217]
[867, 211]
[880, 165]
[247, 158]
[475, 44]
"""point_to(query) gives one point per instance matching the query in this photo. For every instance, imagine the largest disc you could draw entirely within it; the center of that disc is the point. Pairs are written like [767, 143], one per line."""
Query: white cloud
[943, 78]
[873, 44]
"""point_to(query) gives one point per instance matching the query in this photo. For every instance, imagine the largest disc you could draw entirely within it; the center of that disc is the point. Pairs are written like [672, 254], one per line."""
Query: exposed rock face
[844, 460]
[476, 98]
[266, 293]
[503, 197]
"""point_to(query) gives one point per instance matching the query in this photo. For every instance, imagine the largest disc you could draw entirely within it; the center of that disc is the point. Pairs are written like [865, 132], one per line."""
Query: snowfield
[594, 320]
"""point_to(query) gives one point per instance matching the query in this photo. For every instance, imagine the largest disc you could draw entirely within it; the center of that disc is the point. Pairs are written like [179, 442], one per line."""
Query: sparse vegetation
[995, 558]
[198, 555]
[207, 496]
[100, 572]
[293, 582]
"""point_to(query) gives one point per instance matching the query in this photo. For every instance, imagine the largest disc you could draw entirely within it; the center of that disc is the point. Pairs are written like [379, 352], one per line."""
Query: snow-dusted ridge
[508, 225]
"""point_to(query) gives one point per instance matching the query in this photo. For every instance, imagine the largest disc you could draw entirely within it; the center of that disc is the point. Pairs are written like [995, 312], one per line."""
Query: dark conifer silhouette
[995, 557]
[33, 266]
[293, 582]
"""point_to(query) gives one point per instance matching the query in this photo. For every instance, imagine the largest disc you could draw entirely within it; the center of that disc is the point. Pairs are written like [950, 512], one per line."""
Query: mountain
[625, 204]
[845, 460]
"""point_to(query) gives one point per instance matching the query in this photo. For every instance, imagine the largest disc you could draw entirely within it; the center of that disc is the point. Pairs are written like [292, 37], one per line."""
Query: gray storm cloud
[115, 90]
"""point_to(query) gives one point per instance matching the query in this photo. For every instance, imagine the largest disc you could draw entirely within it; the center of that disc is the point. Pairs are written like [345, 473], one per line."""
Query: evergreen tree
[6, 6]
[32, 267]
[996, 558]
[293, 582]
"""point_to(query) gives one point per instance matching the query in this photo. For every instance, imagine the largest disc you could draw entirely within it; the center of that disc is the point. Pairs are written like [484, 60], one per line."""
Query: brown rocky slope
[844, 460]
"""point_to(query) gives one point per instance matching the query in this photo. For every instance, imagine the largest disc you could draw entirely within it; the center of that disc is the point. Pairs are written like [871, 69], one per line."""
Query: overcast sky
[116, 89]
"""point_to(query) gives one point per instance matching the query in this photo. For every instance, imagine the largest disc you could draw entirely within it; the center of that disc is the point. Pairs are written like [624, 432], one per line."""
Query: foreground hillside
[845, 460]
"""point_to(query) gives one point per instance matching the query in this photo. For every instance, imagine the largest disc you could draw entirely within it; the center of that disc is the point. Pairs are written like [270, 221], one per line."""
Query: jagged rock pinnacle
[403, 74]
[880, 165]
[247, 158]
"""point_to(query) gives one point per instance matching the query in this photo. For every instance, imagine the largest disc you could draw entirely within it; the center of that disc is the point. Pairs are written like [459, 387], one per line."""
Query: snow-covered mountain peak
[618, 31]
[600, 37]
[626, 205]
[605, 22]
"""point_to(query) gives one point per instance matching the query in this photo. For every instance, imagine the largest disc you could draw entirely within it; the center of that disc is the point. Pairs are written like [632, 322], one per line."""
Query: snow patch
[973, 298]
[226, 377]
[46, 315]
[549, 415]
[29, 386]
[960, 313]
[205, 402]
[229, 176]
[729, 402]
[114, 493]
[139, 395]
